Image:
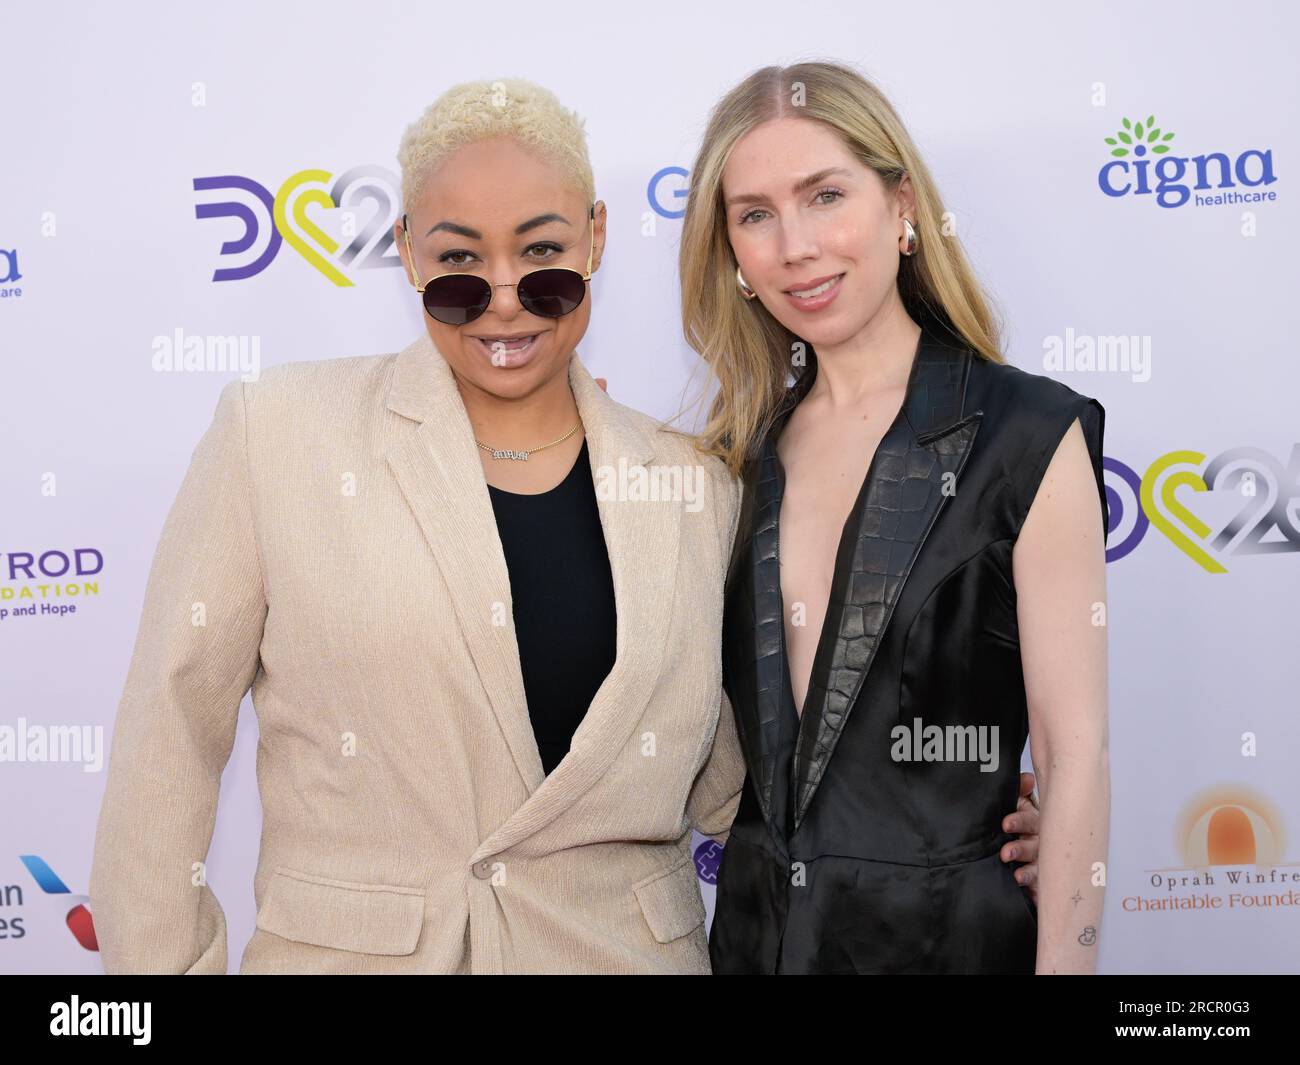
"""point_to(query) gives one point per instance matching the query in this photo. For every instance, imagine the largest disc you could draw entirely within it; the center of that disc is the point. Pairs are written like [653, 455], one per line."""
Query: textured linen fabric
[333, 546]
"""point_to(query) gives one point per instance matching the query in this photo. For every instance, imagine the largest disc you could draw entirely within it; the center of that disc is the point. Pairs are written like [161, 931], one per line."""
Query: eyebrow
[797, 187]
[523, 227]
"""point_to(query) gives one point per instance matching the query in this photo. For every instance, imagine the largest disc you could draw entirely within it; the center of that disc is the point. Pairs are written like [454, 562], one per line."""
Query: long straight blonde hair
[749, 352]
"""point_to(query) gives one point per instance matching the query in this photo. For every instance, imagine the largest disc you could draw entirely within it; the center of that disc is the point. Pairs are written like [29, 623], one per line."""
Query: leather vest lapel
[754, 662]
[900, 500]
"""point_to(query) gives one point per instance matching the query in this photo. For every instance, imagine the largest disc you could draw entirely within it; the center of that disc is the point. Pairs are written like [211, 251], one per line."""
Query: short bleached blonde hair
[479, 110]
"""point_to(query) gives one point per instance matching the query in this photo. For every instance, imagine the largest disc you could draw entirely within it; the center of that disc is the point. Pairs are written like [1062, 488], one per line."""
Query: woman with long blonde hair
[919, 565]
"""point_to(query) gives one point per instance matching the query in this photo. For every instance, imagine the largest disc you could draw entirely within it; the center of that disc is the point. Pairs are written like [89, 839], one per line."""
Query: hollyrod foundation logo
[41, 585]
[1145, 162]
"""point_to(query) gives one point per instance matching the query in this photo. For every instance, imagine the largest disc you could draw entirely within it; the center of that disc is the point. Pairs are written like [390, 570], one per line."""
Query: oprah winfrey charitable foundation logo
[1146, 161]
[1230, 841]
[47, 584]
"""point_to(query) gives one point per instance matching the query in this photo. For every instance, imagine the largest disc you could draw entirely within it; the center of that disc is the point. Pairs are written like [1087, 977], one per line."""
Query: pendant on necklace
[520, 456]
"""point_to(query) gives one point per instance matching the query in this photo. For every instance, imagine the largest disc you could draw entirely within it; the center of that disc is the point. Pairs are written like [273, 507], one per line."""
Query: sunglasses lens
[457, 298]
[551, 293]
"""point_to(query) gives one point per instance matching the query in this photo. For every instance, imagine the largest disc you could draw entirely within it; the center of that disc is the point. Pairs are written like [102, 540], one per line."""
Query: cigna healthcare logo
[1248, 503]
[77, 916]
[337, 226]
[10, 275]
[1230, 842]
[1146, 161]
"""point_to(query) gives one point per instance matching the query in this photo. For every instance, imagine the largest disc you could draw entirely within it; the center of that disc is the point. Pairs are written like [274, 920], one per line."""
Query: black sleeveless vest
[854, 849]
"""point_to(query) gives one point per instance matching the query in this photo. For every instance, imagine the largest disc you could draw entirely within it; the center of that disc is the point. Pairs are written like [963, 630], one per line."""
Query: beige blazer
[333, 545]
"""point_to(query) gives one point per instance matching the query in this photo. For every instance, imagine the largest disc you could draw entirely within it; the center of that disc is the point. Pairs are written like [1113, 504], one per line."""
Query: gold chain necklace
[522, 456]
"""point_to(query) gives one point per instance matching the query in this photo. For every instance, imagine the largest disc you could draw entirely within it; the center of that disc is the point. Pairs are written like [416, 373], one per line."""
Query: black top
[563, 595]
[896, 845]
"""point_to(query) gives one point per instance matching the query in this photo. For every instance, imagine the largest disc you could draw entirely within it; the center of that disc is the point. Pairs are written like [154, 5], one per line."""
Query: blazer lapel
[753, 648]
[642, 537]
[900, 500]
[441, 477]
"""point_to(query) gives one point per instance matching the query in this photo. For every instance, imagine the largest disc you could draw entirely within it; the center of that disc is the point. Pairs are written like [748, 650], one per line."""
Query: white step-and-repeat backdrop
[143, 148]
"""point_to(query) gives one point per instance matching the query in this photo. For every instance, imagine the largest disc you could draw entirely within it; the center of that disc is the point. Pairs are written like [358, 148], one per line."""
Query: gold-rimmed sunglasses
[459, 298]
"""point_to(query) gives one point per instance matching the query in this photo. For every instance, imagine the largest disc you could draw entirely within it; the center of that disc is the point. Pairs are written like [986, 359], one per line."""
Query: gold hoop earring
[745, 290]
[911, 238]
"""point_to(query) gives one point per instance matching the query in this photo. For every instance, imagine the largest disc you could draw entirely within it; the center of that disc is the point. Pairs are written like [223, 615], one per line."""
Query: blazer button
[483, 869]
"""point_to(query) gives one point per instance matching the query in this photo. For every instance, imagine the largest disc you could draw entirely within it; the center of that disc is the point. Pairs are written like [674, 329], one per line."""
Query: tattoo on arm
[1088, 937]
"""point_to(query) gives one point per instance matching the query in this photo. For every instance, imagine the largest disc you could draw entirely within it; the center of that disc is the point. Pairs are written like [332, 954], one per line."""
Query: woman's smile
[509, 351]
[815, 296]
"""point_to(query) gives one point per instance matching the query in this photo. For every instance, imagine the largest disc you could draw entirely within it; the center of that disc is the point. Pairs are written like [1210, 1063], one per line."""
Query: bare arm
[1059, 570]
